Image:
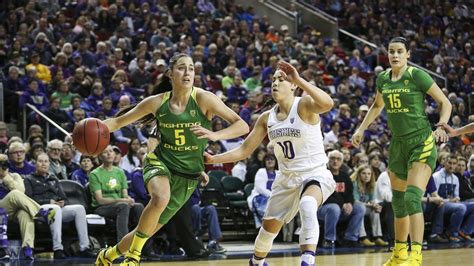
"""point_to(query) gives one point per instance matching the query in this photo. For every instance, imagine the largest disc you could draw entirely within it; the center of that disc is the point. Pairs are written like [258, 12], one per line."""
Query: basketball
[91, 136]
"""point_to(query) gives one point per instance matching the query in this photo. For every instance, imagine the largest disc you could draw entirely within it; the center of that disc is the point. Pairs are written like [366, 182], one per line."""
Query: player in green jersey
[172, 172]
[412, 154]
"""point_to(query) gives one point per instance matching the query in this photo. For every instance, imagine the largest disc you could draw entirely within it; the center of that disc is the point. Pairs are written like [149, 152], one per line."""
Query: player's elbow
[329, 104]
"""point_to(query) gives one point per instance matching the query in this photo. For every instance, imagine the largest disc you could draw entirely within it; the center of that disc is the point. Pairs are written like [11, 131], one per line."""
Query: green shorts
[417, 147]
[181, 188]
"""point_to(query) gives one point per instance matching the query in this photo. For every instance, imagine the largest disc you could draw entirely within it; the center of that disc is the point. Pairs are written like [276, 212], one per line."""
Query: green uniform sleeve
[422, 80]
[94, 183]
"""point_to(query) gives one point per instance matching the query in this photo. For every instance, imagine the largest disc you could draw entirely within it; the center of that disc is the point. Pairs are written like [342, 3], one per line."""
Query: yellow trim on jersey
[193, 93]
[166, 96]
[410, 71]
[427, 149]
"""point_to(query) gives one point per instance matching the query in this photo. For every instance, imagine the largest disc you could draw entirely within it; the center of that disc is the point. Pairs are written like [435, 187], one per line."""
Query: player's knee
[264, 240]
[398, 204]
[308, 209]
[413, 197]
[158, 200]
[309, 221]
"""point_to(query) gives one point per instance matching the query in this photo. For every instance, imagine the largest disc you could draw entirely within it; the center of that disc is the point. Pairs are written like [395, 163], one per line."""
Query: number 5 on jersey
[287, 148]
[179, 137]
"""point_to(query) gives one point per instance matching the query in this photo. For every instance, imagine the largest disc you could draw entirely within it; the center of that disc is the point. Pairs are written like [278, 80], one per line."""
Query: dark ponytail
[266, 106]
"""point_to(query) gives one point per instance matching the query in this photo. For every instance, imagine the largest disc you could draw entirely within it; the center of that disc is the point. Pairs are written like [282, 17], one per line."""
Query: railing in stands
[2, 101]
[46, 118]
[374, 46]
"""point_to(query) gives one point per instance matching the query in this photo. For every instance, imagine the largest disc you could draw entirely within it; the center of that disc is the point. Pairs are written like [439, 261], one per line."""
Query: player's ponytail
[266, 106]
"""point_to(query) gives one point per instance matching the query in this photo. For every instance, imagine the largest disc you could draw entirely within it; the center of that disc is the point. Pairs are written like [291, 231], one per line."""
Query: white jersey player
[304, 182]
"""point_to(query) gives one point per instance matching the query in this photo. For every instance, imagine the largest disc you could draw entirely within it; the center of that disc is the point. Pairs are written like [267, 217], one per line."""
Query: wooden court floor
[430, 257]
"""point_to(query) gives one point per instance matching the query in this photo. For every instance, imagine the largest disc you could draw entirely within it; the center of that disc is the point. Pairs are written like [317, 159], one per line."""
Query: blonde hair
[356, 177]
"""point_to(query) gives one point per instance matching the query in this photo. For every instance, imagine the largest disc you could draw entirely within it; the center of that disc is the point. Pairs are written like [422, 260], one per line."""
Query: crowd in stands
[79, 59]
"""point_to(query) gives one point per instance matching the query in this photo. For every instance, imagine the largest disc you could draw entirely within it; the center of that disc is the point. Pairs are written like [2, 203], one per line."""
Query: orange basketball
[91, 136]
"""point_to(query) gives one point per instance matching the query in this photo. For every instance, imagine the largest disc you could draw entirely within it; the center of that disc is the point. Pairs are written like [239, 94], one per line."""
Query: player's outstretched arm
[373, 113]
[215, 106]
[458, 131]
[243, 151]
[317, 100]
[145, 107]
[445, 112]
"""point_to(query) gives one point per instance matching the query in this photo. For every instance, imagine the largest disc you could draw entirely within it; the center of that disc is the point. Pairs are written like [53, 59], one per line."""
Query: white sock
[258, 262]
[308, 257]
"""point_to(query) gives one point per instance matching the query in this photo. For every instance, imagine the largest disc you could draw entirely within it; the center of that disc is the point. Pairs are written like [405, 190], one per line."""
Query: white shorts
[284, 202]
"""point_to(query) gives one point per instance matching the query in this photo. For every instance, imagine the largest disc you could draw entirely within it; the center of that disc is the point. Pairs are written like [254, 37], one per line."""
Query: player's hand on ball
[357, 138]
[440, 135]
[203, 133]
[204, 178]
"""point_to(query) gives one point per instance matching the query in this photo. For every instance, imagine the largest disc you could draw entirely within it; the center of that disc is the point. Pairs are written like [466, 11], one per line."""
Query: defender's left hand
[440, 135]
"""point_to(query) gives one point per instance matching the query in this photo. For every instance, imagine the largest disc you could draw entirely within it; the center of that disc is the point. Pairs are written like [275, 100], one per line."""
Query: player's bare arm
[250, 144]
[443, 102]
[373, 113]
[145, 107]
[211, 105]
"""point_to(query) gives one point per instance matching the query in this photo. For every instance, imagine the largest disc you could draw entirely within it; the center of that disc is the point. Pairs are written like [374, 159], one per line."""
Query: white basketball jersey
[298, 146]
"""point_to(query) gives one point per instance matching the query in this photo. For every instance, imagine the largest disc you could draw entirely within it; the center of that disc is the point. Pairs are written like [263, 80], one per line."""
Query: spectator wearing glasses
[43, 187]
[17, 157]
[56, 167]
[341, 206]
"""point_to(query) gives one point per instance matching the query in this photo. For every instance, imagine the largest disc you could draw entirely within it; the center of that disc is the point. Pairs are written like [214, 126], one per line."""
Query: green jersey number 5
[179, 137]
[394, 100]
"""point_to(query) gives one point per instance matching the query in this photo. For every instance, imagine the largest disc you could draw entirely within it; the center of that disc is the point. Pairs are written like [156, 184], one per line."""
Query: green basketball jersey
[405, 100]
[179, 149]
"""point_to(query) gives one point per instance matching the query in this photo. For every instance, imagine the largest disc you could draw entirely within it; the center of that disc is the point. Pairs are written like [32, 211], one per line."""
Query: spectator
[56, 166]
[256, 162]
[64, 95]
[383, 196]
[108, 185]
[17, 157]
[67, 156]
[364, 189]
[466, 185]
[3, 136]
[264, 178]
[447, 185]
[342, 200]
[131, 161]
[201, 213]
[433, 205]
[81, 175]
[126, 134]
[44, 188]
[240, 170]
[42, 71]
[216, 147]
[20, 207]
